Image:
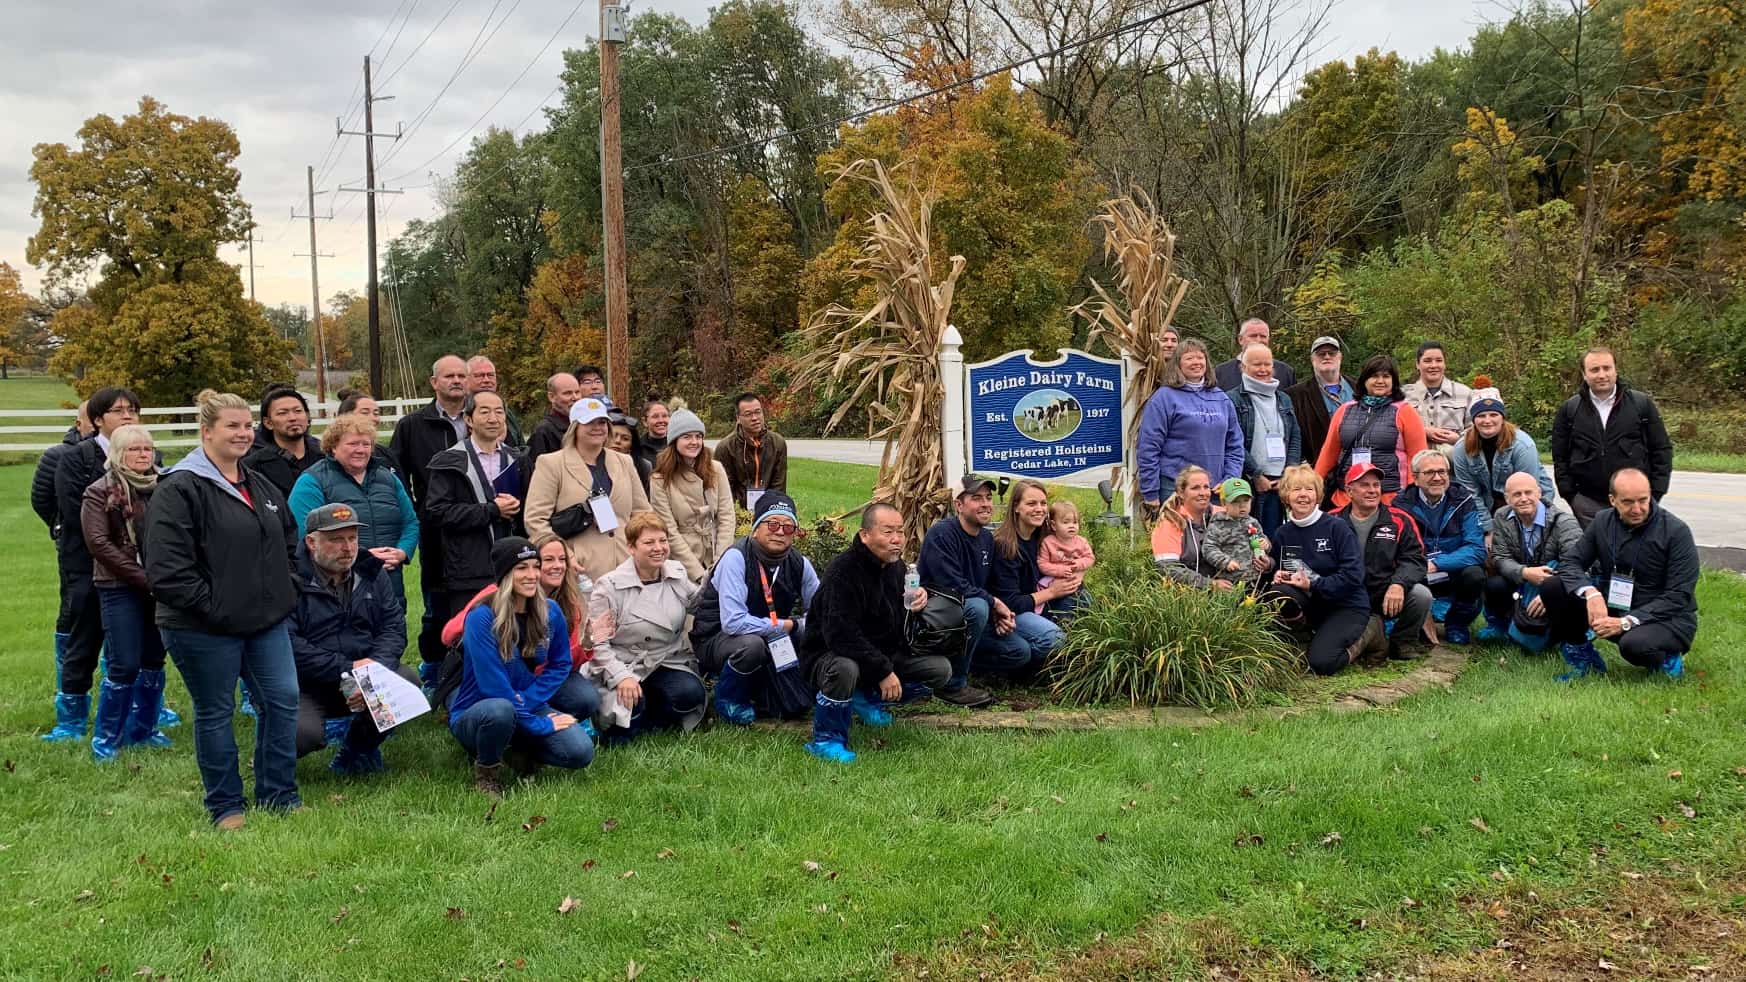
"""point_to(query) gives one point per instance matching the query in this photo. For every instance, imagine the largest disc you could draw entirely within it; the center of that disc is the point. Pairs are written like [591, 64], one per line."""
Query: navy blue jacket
[1329, 547]
[1452, 533]
[326, 639]
[1014, 580]
[953, 562]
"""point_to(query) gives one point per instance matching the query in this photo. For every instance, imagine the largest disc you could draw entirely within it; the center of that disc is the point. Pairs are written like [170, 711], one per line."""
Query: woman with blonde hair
[690, 492]
[1320, 580]
[352, 473]
[1181, 531]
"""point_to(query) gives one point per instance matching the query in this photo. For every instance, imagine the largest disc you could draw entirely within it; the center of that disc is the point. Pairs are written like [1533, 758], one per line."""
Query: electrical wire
[472, 54]
[414, 52]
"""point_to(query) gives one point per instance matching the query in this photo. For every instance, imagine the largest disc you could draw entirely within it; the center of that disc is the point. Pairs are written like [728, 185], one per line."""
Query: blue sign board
[1044, 419]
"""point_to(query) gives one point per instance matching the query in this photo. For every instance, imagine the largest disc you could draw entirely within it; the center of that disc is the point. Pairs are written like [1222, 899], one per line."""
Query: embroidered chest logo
[272, 507]
[1324, 545]
[1386, 532]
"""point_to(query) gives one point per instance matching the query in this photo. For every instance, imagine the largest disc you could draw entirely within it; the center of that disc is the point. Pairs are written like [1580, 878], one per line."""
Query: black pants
[1463, 586]
[669, 695]
[1648, 645]
[1566, 613]
[1334, 629]
[81, 620]
[838, 677]
[748, 653]
[316, 706]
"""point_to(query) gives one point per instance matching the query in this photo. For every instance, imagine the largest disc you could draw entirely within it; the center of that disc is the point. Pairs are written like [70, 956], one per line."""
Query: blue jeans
[487, 728]
[1267, 512]
[128, 624]
[976, 613]
[1020, 651]
[210, 665]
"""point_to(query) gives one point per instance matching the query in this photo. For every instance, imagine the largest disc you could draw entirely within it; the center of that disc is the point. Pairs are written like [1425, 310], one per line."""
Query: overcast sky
[280, 73]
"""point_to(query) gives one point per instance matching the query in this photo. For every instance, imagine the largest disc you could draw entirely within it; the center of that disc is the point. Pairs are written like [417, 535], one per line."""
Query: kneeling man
[1529, 542]
[1394, 560]
[346, 614]
[857, 654]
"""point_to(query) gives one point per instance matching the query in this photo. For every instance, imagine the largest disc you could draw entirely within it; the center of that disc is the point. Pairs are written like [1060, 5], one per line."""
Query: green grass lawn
[946, 852]
[36, 392]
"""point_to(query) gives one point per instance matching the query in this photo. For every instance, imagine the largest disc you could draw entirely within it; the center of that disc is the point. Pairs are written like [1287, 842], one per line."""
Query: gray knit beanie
[683, 421]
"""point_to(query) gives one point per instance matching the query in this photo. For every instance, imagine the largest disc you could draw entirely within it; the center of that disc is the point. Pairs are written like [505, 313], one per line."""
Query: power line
[420, 46]
[467, 59]
[521, 123]
[938, 90]
[404, 21]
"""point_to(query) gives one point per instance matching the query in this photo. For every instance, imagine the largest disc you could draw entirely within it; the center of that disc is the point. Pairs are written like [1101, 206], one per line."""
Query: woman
[558, 583]
[1490, 451]
[112, 515]
[1189, 421]
[657, 417]
[516, 687]
[1321, 577]
[689, 490]
[586, 492]
[1167, 342]
[1181, 529]
[645, 671]
[1013, 579]
[624, 440]
[1379, 427]
[222, 562]
[352, 474]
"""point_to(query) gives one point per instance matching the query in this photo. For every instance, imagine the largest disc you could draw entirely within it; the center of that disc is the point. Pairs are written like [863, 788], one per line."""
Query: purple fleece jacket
[1180, 427]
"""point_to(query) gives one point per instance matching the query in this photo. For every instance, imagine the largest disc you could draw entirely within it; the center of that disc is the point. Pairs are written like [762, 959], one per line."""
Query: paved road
[1714, 505]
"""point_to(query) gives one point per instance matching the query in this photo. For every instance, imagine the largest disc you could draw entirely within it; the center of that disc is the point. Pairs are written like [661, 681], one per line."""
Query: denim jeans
[976, 616]
[1267, 511]
[210, 665]
[487, 728]
[1021, 651]
[128, 624]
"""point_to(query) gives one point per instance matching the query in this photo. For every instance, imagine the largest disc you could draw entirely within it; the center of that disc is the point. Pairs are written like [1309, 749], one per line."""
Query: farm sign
[1044, 420]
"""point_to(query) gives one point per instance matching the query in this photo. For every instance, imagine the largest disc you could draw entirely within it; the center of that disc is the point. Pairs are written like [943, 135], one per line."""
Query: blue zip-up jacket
[1488, 485]
[952, 561]
[1180, 427]
[1451, 531]
[1329, 547]
[485, 675]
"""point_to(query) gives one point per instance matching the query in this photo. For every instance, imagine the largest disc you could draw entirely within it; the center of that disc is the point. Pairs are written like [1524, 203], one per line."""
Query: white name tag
[782, 653]
[1276, 449]
[605, 519]
[1439, 576]
[1619, 590]
[752, 496]
[1360, 455]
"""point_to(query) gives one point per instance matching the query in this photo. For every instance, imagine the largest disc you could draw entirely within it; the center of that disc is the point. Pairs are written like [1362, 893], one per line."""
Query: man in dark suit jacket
[1316, 397]
[1253, 331]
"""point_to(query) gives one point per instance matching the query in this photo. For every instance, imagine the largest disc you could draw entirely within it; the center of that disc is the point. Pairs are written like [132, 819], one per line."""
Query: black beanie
[508, 552]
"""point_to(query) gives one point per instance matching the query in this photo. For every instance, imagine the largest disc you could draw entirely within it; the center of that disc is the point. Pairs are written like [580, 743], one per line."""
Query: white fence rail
[174, 426]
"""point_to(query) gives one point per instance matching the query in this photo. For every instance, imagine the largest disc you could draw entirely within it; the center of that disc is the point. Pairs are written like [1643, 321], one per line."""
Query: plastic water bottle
[911, 584]
[586, 586]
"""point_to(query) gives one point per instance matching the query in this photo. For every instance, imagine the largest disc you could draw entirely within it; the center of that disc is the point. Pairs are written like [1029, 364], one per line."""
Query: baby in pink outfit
[1063, 552]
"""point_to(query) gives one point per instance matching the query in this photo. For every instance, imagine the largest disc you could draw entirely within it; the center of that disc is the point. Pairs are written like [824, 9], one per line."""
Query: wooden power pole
[612, 208]
[320, 347]
[370, 191]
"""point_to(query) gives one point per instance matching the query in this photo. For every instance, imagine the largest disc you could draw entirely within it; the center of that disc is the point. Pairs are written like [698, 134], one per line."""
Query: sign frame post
[952, 377]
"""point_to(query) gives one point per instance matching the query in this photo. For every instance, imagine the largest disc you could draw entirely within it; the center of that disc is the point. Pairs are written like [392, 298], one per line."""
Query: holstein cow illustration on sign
[1044, 419]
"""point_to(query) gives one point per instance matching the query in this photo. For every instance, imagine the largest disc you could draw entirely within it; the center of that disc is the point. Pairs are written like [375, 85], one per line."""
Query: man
[476, 494]
[346, 615]
[419, 436]
[1529, 541]
[755, 457]
[562, 391]
[857, 655]
[1252, 331]
[1635, 570]
[1605, 427]
[1315, 398]
[1394, 560]
[42, 481]
[1271, 435]
[591, 380]
[749, 623]
[1441, 401]
[79, 625]
[957, 560]
[482, 377]
[1448, 518]
[283, 447]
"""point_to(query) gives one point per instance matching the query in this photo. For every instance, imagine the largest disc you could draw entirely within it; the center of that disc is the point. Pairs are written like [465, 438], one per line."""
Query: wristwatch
[1626, 623]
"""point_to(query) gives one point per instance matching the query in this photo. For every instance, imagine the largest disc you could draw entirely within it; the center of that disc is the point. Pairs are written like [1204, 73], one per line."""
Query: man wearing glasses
[1448, 519]
[755, 456]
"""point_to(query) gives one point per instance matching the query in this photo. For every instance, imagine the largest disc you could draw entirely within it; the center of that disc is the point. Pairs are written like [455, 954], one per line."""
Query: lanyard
[769, 598]
[1617, 549]
[757, 472]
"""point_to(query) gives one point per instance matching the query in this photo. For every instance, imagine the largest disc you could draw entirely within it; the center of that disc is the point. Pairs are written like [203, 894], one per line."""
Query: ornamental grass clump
[1145, 642]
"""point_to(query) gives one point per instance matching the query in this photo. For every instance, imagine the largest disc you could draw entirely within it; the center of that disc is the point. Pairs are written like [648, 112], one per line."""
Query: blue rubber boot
[107, 733]
[355, 763]
[246, 705]
[144, 713]
[831, 719]
[70, 713]
[868, 710]
[1583, 660]
[1458, 624]
[333, 731]
[733, 697]
[1673, 666]
[1495, 629]
[429, 674]
[168, 717]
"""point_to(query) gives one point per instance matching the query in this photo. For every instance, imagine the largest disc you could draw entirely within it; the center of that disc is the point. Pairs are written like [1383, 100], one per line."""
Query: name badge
[1276, 448]
[1619, 590]
[782, 653]
[605, 519]
[752, 496]
[1360, 455]
[1439, 576]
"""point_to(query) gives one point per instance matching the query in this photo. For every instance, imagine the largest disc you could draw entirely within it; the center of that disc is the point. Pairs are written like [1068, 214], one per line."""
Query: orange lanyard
[769, 598]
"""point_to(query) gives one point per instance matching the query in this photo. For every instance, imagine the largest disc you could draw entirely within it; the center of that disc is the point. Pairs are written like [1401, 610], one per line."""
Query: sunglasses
[782, 528]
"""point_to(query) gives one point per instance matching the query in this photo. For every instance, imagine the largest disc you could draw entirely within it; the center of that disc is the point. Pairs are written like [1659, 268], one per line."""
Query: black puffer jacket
[857, 613]
[217, 563]
[42, 482]
[83, 463]
[274, 464]
[1586, 455]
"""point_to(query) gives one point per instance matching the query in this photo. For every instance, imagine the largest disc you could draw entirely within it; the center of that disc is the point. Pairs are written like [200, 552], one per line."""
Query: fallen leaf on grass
[1738, 771]
[343, 913]
[1605, 965]
[1103, 836]
[632, 970]
[10, 766]
[568, 904]
[609, 825]
[206, 958]
[665, 854]
[1057, 799]
[734, 926]
[1331, 840]
[533, 823]
[1245, 792]
[1479, 823]
[455, 914]
[1249, 839]
[1627, 874]
[84, 897]
[491, 813]
[1674, 775]
[810, 866]
[1687, 810]
[1408, 902]
[627, 874]
[588, 864]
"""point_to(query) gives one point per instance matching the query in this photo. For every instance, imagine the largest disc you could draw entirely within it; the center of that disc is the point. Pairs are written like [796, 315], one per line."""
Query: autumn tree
[14, 305]
[563, 328]
[145, 203]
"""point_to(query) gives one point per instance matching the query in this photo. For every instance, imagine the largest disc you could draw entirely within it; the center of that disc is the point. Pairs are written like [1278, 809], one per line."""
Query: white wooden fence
[174, 426]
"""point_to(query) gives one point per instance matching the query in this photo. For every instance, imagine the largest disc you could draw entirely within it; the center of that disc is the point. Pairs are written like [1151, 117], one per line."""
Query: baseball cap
[588, 409]
[1235, 488]
[1357, 471]
[1326, 341]
[332, 518]
[971, 483]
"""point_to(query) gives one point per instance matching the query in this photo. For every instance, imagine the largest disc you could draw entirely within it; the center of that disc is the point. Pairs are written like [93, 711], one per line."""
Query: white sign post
[952, 412]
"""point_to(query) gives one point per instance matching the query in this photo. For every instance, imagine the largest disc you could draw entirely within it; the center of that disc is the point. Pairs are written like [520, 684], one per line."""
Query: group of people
[585, 583]
[1374, 511]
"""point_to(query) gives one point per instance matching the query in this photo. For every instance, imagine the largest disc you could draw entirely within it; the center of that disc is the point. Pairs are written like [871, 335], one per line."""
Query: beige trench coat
[701, 523]
[649, 632]
[562, 479]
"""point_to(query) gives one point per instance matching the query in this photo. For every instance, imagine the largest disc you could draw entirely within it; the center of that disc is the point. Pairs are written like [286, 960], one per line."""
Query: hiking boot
[1371, 648]
[488, 779]
[966, 695]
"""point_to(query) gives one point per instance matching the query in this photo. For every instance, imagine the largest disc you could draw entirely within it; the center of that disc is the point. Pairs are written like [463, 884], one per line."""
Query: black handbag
[572, 521]
[937, 630]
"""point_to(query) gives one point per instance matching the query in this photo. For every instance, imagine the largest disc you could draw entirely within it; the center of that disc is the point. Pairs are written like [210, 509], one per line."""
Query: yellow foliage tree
[1496, 169]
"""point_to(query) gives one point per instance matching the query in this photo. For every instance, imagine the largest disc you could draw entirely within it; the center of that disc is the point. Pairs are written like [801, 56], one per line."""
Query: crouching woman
[516, 687]
[642, 661]
[1321, 575]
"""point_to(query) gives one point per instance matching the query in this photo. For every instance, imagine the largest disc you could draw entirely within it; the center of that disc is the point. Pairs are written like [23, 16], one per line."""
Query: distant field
[36, 392]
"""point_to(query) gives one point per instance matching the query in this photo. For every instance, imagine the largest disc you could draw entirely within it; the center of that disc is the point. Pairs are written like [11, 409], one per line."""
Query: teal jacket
[381, 502]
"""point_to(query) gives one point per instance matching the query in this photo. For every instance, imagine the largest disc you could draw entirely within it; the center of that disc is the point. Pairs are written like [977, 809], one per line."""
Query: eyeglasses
[782, 528]
[1439, 472]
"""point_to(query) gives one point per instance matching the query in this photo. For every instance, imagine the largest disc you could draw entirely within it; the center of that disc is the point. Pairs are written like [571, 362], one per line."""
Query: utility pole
[370, 191]
[251, 244]
[612, 207]
[320, 349]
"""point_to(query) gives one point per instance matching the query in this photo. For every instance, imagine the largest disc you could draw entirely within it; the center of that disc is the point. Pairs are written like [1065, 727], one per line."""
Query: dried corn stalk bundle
[1150, 292]
[889, 351]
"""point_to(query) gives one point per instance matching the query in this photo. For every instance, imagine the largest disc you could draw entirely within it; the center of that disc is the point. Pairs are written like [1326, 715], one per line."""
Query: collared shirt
[458, 421]
[1604, 406]
[1533, 531]
[1336, 395]
[103, 445]
[490, 460]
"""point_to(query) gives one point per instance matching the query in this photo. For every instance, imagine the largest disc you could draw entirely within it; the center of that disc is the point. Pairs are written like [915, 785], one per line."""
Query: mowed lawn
[945, 853]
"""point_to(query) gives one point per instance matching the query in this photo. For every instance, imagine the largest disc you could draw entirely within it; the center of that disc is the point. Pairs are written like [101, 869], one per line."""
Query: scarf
[125, 487]
[1313, 517]
[1259, 387]
[1374, 402]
